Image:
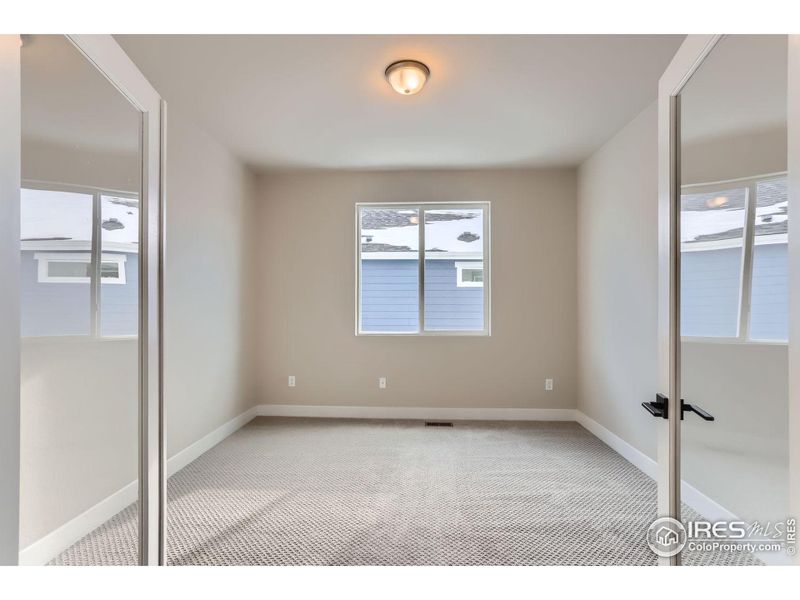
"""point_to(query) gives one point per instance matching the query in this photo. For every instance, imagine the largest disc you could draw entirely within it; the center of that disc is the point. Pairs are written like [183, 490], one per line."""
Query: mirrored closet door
[734, 299]
[81, 233]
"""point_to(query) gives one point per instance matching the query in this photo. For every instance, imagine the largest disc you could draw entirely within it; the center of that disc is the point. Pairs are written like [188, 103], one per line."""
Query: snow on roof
[716, 216]
[447, 231]
[53, 216]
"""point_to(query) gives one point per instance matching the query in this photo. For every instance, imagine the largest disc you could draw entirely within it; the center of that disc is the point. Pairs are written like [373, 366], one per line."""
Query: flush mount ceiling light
[717, 202]
[407, 77]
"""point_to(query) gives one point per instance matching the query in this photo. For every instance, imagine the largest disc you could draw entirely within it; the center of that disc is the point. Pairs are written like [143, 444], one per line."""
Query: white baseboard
[205, 443]
[694, 498]
[422, 413]
[634, 456]
[690, 495]
[45, 549]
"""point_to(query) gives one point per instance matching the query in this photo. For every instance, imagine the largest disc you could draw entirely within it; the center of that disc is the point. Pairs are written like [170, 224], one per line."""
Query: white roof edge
[759, 240]
[415, 256]
[61, 245]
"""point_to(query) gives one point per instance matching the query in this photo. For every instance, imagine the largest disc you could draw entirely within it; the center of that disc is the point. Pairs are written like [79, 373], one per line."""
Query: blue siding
[710, 292]
[448, 306]
[769, 311]
[119, 304]
[390, 297]
[51, 308]
[58, 309]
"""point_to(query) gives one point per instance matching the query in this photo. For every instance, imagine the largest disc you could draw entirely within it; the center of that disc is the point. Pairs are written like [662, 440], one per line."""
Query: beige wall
[742, 459]
[756, 153]
[617, 282]
[208, 295]
[306, 264]
[57, 163]
[79, 428]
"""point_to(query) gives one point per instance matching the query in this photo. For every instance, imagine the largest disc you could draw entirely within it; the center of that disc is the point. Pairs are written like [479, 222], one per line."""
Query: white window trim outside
[45, 258]
[749, 242]
[460, 266]
[486, 257]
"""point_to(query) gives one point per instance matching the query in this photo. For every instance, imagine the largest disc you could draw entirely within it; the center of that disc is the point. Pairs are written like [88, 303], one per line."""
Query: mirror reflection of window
[769, 302]
[119, 231]
[56, 241]
[734, 275]
[79, 357]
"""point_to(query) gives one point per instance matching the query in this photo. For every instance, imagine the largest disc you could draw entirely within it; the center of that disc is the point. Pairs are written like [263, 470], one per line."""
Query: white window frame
[421, 207]
[45, 258]
[473, 266]
[748, 244]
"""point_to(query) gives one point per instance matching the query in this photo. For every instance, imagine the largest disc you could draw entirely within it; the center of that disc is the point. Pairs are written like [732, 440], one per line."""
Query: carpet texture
[286, 491]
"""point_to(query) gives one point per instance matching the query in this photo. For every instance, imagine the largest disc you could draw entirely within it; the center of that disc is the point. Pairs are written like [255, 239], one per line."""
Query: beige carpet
[355, 492]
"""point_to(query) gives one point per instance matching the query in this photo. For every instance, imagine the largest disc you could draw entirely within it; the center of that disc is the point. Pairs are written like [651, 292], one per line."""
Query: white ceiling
[322, 102]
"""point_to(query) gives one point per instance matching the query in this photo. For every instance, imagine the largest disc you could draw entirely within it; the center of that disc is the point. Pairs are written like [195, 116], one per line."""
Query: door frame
[10, 118]
[110, 59]
[686, 61]
[103, 52]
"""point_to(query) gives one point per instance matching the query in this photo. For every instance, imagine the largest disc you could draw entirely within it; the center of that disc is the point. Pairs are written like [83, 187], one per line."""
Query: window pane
[54, 222]
[119, 296]
[109, 270]
[769, 309]
[712, 226]
[472, 276]
[389, 293]
[57, 268]
[453, 236]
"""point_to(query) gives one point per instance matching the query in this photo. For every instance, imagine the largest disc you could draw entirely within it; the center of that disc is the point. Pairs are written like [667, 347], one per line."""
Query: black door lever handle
[657, 408]
[653, 409]
[706, 416]
[660, 406]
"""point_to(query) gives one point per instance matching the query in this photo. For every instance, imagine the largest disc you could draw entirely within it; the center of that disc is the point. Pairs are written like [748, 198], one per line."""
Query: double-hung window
[734, 260]
[423, 269]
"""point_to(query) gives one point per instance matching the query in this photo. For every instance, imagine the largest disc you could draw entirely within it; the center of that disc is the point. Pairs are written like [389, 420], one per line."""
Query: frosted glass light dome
[407, 77]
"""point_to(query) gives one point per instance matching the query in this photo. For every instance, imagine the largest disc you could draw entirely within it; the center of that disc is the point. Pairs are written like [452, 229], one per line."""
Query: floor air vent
[438, 424]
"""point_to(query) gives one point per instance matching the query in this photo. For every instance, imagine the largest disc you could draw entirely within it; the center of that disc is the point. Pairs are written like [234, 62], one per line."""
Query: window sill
[455, 334]
[731, 341]
[74, 339]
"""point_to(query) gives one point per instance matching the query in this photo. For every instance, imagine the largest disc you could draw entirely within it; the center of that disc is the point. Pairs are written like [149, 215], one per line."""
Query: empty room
[399, 300]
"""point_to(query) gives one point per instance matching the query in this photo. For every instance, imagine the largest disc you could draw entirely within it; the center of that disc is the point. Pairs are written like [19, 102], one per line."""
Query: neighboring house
[390, 271]
[56, 234]
[713, 226]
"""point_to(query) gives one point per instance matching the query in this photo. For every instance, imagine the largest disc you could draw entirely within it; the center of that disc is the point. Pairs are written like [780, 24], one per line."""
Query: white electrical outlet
[548, 385]
[291, 381]
[382, 383]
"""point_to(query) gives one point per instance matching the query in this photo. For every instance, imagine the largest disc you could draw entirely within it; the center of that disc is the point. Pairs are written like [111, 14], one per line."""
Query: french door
[728, 400]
